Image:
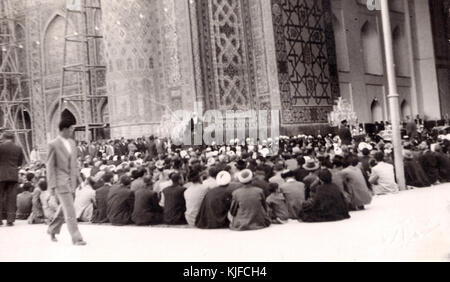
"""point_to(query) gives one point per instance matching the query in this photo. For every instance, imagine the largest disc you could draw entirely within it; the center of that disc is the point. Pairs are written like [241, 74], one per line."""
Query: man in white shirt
[383, 177]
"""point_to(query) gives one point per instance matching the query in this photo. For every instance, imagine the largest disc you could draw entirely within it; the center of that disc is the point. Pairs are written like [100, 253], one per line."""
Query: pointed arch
[400, 51]
[405, 109]
[54, 115]
[371, 49]
[53, 43]
[377, 111]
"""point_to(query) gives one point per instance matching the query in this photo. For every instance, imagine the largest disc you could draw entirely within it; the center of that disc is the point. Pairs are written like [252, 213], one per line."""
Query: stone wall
[440, 14]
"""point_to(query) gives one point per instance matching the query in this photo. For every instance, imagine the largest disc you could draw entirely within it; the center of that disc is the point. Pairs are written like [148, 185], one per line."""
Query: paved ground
[410, 226]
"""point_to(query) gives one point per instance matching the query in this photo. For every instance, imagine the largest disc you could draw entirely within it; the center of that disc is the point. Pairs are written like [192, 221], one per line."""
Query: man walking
[62, 173]
[11, 158]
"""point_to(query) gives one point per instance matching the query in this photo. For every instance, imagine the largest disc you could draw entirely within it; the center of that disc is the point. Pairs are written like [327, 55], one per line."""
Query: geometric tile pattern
[306, 59]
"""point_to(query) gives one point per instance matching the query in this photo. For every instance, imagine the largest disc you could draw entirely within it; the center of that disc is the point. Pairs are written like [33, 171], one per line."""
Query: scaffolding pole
[14, 105]
[86, 38]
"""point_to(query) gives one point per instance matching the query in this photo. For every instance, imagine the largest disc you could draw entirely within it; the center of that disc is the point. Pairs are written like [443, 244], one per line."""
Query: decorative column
[131, 41]
[149, 66]
[34, 57]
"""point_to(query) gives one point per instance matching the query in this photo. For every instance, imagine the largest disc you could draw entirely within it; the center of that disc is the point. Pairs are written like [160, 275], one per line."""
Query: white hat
[245, 176]
[296, 150]
[364, 145]
[159, 164]
[264, 152]
[435, 147]
[231, 153]
[223, 178]
[338, 151]
[211, 162]
[103, 167]
[183, 154]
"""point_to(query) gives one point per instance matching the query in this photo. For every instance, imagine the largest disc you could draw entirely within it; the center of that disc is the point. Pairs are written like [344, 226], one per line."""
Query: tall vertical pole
[393, 96]
[86, 73]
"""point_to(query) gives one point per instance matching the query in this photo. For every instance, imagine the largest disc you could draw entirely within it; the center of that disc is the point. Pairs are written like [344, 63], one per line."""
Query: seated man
[278, 169]
[415, 176]
[328, 204]
[120, 202]
[429, 162]
[194, 196]
[101, 197]
[248, 207]
[277, 206]
[25, 202]
[259, 180]
[138, 182]
[84, 200]
[216, 204]
[294, 192]
[383, 177]
[37, 215]
[48, 201]
[174, 203]
[355, 184]
[146, 207]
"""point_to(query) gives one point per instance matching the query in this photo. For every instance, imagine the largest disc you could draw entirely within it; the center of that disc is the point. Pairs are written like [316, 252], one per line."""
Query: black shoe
[1, 222]
[10, 224]
[53, 238]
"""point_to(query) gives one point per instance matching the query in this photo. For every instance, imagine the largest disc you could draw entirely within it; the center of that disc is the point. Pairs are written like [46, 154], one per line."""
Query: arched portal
[371, 49]
[67, 115]
[405, 109]
[55, 117]
[377, 111]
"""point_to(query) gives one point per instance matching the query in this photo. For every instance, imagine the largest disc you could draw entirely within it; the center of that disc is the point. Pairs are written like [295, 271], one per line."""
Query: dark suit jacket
[120, 205]
[151, 149]
[249, 209]
[11, 157]
[146, 208]
[346, 136]
[430, 165]
[174, 205]
[101, 197]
